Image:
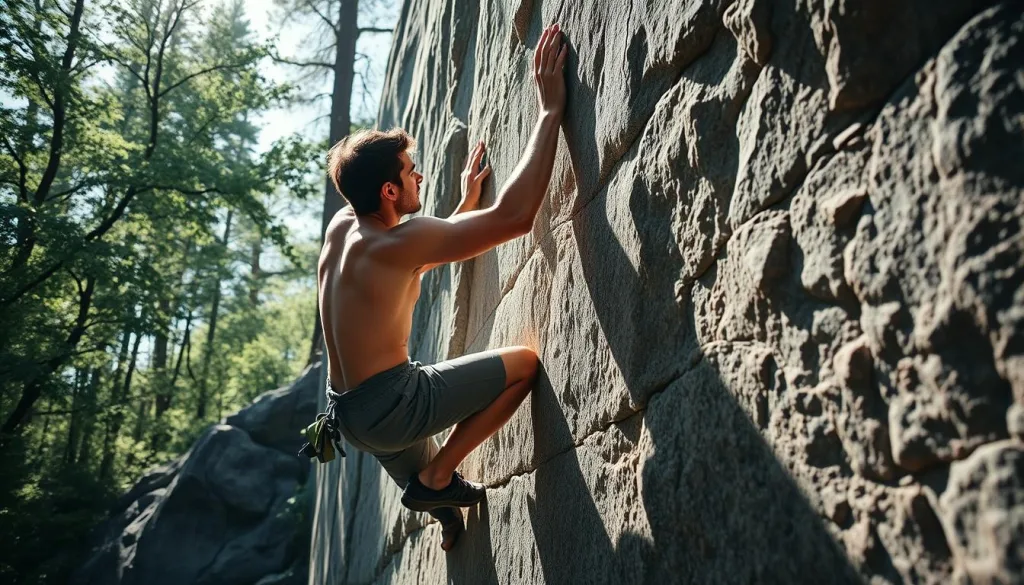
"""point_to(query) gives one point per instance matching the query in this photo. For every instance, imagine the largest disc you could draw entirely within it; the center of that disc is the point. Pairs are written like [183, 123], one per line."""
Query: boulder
[276, 418]
[226, 512]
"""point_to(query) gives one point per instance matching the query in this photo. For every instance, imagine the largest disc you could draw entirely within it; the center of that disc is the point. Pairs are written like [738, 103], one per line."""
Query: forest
[157, 264]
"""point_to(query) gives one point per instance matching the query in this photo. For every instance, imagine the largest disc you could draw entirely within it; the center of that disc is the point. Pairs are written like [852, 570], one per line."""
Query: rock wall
[224, 513]
[777, 288]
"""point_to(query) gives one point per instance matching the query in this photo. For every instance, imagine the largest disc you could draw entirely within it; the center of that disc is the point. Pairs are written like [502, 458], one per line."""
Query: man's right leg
[521, 365]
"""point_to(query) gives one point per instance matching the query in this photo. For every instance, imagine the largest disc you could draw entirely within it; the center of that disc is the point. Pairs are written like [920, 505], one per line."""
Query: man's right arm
[424, 241]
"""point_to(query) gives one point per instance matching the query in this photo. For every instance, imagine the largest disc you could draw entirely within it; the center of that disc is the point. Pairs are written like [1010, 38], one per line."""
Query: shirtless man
[369, 280]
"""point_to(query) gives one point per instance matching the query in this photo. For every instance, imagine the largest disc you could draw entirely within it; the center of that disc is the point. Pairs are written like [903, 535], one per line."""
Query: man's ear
[389, 192]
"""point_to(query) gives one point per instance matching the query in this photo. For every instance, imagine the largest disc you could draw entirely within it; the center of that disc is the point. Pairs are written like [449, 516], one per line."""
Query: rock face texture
[776, 286]
[224, 513]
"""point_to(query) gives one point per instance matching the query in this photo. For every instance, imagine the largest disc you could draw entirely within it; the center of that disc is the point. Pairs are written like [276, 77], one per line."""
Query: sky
[293, 42]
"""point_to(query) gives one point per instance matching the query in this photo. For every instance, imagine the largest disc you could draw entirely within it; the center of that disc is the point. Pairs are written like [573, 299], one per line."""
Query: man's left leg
[400, 466]
[521, 366]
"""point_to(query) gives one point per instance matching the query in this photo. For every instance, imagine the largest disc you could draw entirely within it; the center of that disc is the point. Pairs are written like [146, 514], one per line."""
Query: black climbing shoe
[459, 493]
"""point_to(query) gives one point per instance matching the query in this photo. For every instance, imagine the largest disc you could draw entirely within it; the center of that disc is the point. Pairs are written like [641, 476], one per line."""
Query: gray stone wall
[776, 287]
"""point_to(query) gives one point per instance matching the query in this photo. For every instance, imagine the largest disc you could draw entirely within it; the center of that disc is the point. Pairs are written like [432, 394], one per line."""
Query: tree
[148, 147]
[126, 157]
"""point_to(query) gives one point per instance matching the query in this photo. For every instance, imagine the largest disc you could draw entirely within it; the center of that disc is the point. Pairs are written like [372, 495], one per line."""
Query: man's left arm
[473, 176]
[472, 180]
[464, 206]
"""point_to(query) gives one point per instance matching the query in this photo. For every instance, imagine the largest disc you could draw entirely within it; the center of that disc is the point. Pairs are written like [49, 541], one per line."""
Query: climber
[369, 279]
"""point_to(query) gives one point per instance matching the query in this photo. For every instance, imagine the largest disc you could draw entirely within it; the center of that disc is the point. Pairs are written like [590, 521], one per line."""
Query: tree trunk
[159, 365]
[122, 359]
[346, 32]
[115, 385]
[140, 418]
[165, 394]
[84, 456]
[71, 445]
[26, 236]
[164, 402]
[42, 451]
[211, 333]
[117, 418]
[255, 272]
[139, 429]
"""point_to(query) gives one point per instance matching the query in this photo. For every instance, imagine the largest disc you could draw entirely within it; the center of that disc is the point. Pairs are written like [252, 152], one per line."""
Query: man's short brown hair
[363, 161]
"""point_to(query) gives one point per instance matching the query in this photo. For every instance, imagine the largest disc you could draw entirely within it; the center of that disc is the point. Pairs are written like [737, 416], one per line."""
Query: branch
[59, 108]
[119, 209]
[61, 9]
[327, 21]
[265, 274]
[278, 59]
[150, 41]
[42, 88]
[68, 192]
[373, 29]
[131, 70]
[85, 302]
[150, 34]
[182, 191]
[43, 277]
[125, 32]
[82, 66]
[78, 281]
[154, 93]
[197, 74]
[96, 322]
[202, 129]
[22, 171]
[313, 98]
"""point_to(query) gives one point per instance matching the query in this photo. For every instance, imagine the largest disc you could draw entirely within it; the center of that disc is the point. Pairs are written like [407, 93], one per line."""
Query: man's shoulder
[417, 225]
[341, 222]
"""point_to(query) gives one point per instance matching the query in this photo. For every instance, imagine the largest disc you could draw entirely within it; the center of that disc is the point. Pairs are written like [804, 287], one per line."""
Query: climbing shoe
[459, 492]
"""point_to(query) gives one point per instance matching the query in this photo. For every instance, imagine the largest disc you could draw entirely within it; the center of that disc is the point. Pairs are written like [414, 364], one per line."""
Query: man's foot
[458, 492]
[452, 525]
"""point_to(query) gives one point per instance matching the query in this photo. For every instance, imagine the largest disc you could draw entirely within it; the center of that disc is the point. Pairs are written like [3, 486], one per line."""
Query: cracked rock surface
[776, 286]
[220, 514]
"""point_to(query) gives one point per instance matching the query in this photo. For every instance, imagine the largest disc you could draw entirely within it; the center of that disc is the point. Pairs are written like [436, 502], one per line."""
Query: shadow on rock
[718, 505]
[471, 562]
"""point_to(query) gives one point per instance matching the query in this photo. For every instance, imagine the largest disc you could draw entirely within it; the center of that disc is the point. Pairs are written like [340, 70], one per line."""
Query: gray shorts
[394, 414]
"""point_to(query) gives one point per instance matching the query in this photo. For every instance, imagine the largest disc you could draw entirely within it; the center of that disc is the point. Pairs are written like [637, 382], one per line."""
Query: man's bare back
[366, 305]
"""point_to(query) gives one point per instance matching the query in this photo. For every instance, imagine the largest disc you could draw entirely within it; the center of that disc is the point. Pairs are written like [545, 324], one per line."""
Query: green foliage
[148, 283]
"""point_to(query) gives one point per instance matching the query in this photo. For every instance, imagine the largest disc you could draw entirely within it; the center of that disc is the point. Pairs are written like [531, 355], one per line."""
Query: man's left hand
[473, 178]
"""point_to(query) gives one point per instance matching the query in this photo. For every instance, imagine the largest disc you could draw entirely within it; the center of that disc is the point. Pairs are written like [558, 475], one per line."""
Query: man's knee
[521, 363]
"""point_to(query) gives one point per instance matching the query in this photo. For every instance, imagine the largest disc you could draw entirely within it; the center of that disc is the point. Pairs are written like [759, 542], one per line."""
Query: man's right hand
[549, 70]
[424, 242]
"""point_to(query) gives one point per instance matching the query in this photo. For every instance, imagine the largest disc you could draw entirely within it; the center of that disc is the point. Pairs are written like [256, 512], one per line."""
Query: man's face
[409, 194]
